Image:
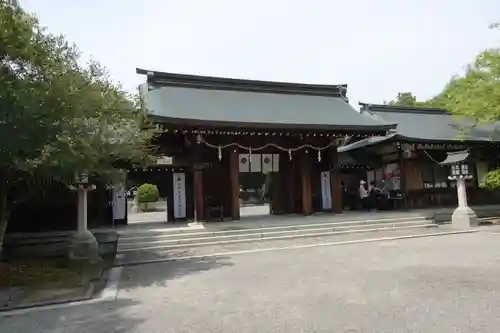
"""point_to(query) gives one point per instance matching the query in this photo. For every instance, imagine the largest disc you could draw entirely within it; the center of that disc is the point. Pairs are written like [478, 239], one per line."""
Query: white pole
[461, 193]
[82, 210]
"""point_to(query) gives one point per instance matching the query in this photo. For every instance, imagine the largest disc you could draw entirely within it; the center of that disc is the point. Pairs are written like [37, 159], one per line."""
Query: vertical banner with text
[119, 201]
[179, 195]
[326, 191]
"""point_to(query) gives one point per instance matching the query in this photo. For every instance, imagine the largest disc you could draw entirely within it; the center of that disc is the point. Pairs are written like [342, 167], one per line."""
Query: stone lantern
[463, 217]
[83, 244]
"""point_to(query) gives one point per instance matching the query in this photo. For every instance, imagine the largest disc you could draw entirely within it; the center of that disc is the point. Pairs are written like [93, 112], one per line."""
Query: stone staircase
[166, 239]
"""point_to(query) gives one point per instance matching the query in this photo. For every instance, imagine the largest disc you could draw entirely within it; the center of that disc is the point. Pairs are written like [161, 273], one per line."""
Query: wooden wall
[413, 175]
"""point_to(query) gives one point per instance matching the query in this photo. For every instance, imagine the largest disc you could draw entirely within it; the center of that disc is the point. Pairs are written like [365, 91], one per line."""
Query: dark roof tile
[212, 104]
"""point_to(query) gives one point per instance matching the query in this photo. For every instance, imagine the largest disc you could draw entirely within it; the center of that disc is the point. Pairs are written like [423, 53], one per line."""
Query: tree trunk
[4, 212]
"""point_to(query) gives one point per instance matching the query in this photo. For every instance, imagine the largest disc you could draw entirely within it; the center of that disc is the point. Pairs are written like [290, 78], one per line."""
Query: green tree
[56, 116]
[476, 95]
[405, 99]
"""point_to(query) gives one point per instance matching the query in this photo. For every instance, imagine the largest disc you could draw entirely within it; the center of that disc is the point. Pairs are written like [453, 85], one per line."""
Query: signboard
[481, 170]
[244, 163]
[259, 163]
[392, 176]
[267, 163]
[119, 201]
[179, 195]
[326, 191]
[256, 163]
[276, 162]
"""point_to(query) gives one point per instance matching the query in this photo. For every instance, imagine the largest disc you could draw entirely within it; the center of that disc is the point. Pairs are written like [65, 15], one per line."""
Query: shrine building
[216, 128]
[409, 158]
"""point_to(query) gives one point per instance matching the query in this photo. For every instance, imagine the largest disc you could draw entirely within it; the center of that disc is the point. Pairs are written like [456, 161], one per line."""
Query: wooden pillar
[199, 202]
[198, 195]
[274, 194]
[305, 177]
[335, 181]
[280, 188]
[234, 181]
[402, 175]
[289, 183]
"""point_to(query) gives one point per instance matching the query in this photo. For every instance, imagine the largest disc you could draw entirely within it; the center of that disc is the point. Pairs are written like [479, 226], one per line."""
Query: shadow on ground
[117, 317]
[160, 273]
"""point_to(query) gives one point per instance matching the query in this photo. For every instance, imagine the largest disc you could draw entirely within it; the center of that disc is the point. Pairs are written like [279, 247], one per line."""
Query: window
[434, 176]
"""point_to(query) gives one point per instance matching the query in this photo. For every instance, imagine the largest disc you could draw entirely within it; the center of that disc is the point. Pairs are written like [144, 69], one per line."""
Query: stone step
[228, 250]
[264, 235]
[218, 229]
[197, 237]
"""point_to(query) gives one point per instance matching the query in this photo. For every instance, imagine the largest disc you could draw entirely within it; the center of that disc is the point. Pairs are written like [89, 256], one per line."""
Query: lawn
[24, 282]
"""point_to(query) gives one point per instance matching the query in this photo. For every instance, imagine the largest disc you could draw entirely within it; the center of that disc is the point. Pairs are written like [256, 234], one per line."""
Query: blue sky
[377, 47]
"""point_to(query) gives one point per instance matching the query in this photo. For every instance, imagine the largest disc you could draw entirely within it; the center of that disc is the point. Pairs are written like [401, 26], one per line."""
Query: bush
[148, 193]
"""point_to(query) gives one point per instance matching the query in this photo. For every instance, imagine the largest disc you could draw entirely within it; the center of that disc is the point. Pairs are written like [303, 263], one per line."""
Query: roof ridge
[372, 108]
[211, 82]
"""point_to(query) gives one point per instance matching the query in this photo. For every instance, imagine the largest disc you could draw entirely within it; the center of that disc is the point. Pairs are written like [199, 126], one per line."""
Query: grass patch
[50, 273]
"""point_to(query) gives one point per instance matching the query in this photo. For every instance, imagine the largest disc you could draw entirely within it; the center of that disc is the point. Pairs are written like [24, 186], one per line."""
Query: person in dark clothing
[343, 197]
[373, 192]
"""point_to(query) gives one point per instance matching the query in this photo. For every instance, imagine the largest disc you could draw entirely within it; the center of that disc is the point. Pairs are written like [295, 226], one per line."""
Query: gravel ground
[433, 284]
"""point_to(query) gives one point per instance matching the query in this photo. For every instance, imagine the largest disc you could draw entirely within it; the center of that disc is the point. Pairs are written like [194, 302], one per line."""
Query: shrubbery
[148, 193]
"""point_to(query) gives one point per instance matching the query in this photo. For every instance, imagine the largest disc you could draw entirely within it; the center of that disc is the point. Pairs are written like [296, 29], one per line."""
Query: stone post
[463, 217]
[83, 244]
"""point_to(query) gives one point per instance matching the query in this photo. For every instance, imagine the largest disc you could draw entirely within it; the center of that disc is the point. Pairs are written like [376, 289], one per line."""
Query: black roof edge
[369, 129]
[405, 139]
[198, 81]
[370, 107]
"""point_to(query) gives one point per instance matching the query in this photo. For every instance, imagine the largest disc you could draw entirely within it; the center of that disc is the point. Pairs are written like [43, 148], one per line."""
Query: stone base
[83, 246]
[464, 218]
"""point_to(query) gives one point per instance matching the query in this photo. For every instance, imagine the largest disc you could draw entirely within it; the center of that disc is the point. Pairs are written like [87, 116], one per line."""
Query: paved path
[435, 284]
[259, 216]
[160, 215]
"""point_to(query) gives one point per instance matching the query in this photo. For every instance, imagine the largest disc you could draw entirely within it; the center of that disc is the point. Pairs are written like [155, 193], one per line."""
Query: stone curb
[109, 293]
[87, 296]
[222, 254]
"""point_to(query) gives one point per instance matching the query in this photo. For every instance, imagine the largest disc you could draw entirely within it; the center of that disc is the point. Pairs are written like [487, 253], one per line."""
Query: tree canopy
[57, 116]
[475, 95]
[404, 99]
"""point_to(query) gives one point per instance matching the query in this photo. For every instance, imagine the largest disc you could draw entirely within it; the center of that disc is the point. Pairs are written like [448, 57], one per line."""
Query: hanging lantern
[319, 155]
[219, 153]
[250, 154]
[290, 154]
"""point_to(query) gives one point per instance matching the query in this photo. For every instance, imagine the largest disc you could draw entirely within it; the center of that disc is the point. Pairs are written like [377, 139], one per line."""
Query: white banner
[244, 163]
[267, 163]
[119, 201]
[276, 162]
[179, 195]
[326, 192]
[256, 163]
[481, 170]
[370, 176]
